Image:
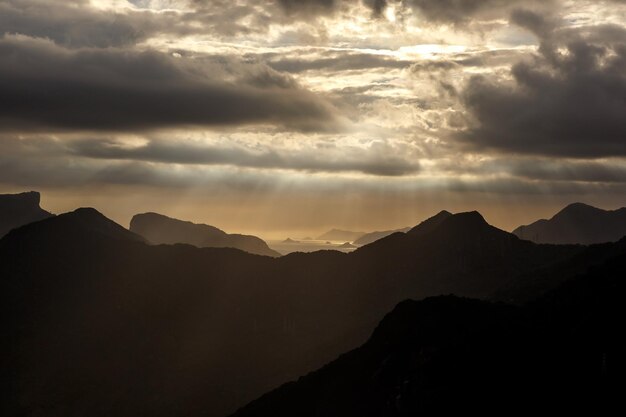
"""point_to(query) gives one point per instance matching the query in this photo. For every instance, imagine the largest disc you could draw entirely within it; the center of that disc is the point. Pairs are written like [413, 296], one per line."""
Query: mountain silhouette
[340, 235]
[429, 224]
[368, 238]
[19, 209]
[97, 322]
[577, 223]
[160, 229]
[447, 355]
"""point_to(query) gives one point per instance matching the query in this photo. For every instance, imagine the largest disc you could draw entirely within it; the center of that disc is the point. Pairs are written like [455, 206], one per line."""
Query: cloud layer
[366, 99]
[568, 100]
[46, 86]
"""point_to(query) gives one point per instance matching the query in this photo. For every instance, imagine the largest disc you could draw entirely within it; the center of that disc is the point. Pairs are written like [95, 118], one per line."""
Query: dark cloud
[567, 101]
[74, 23]
[320, 7]
[293, 6]
[43, 85]
[555, 170]
[463, 11]
[377, 6]
[378, 159]
[520, 186]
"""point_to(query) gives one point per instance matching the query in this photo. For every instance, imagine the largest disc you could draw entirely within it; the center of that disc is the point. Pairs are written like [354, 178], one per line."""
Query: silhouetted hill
[577, 223]
[368, 238]
[97, 323]
[159, 229]
[444, 355]
[19, 209]
[340, 235]
[430, 224]
[458, 253]
[80, 225]
[532, 285]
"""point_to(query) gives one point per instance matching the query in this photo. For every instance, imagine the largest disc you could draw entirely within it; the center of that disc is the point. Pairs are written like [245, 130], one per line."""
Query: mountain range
[98, 322]
[449, 355]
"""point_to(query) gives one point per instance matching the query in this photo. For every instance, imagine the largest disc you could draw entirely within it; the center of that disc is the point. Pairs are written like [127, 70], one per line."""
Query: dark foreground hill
[96, 322]
[19, 209]
[159, 229]
[577, 223]
[447, 355]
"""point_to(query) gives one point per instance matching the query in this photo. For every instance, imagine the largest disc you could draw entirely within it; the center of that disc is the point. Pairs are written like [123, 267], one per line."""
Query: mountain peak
[469, 218]
[577, 223]
[19, 209]
[579, 209]
[85, 213]
[465, 224]
[429, 224]
[78, 225]
[30, 197]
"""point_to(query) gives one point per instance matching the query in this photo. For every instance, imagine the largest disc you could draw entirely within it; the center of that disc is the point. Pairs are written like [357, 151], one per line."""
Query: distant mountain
[96, 322]
[577, 223]
[19, 209]
[368, 238]
[341, 235]
[160, 229]
[448, 355]
[290, 240]
[347, 245]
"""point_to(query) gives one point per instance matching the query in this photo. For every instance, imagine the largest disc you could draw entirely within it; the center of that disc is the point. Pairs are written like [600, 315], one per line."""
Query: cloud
[460, 12]
[44, 85]
[378, 158]
[555, 170]
[567, 101]
[74, 23]
[308, 6]
[335, 61]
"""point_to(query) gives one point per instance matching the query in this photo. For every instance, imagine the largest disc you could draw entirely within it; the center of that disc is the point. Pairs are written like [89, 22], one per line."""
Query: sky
[289, 117]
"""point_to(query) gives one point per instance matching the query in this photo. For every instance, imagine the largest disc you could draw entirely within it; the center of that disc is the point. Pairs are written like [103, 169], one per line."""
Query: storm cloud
[44, 85]
[567, 101]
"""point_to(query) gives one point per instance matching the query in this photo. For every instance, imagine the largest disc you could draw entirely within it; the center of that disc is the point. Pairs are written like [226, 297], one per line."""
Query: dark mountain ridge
[201, 331]
[19, 209]
[577, 223]
[160, 229]
[444, 355]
